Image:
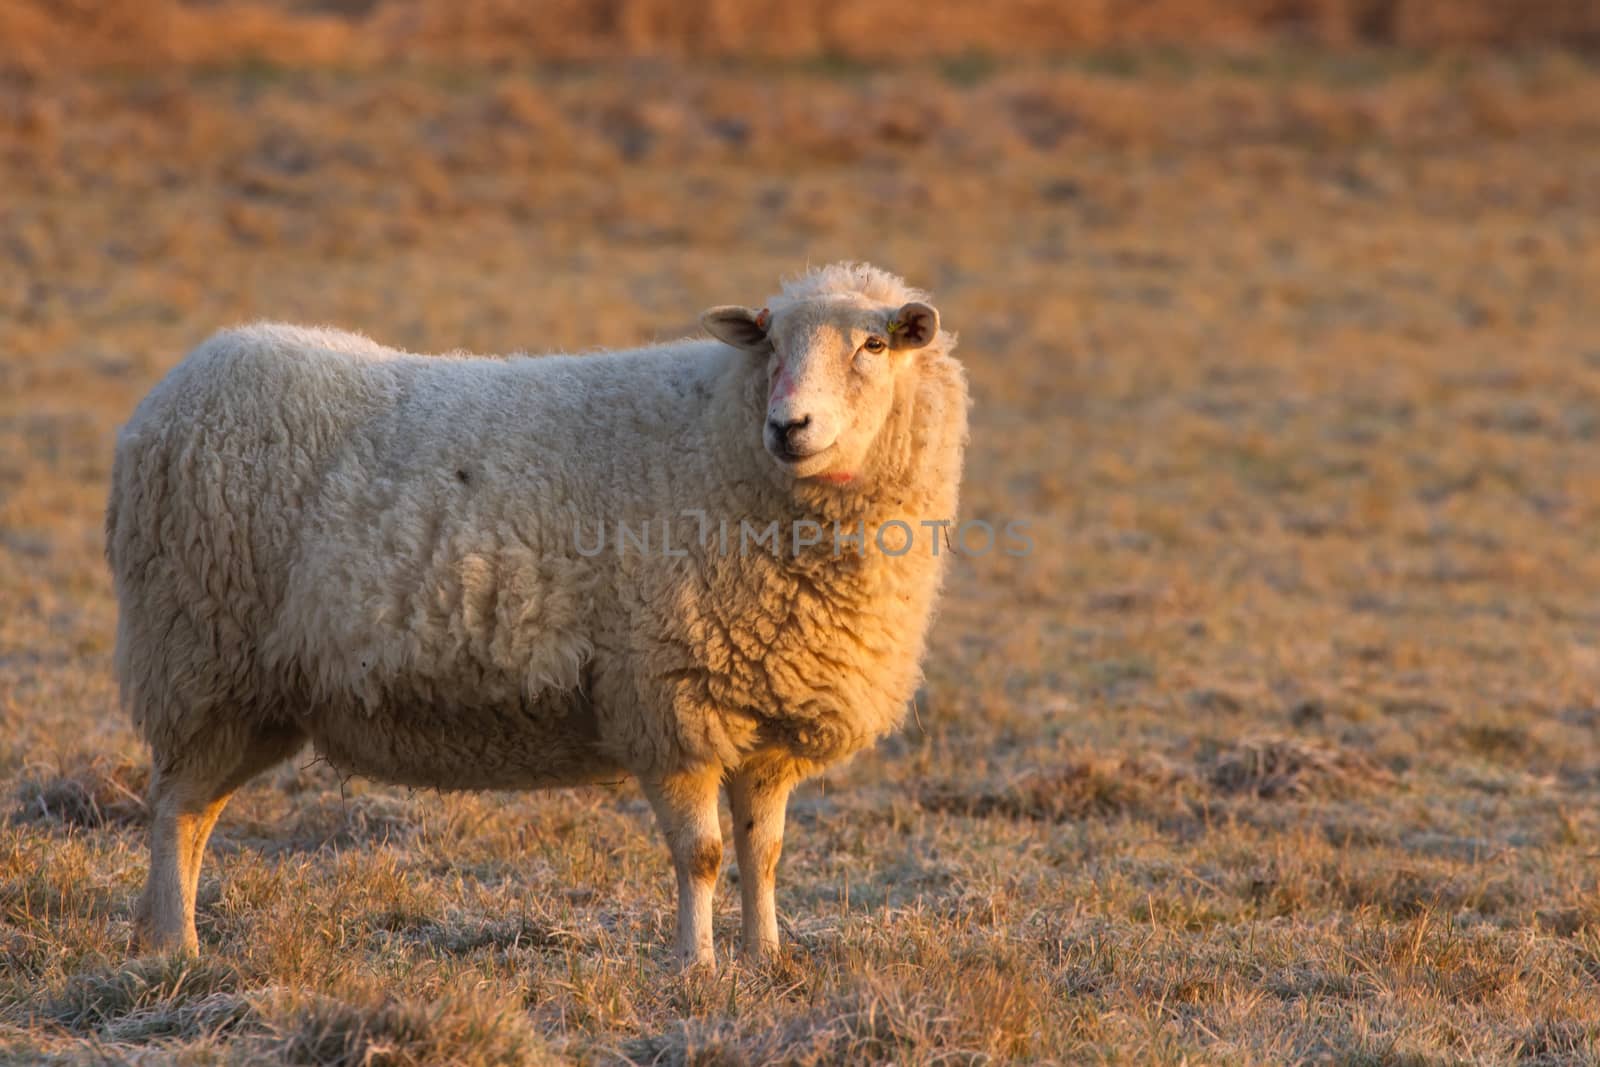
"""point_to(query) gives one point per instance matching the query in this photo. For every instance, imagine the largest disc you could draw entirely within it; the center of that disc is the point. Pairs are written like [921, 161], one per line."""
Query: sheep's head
[834, 355]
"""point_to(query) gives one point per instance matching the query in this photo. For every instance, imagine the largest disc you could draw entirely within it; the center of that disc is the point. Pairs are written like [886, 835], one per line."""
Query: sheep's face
[832, 368]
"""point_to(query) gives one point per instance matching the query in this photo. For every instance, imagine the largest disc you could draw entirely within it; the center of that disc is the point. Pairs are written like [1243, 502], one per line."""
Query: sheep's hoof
[150, 940]
[696, 962]
[144, 946]
[758, 954]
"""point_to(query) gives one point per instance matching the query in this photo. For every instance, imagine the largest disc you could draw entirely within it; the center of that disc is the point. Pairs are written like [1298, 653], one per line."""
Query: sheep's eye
[874, 344]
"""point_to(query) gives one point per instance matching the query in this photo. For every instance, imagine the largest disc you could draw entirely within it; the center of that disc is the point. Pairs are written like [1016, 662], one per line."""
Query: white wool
[315, 536]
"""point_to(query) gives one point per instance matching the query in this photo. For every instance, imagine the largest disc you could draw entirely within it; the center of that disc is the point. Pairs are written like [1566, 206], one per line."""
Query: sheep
[392, 555]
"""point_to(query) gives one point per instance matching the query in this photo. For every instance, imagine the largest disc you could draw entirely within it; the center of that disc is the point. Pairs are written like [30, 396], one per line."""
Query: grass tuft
[1556, 1042]
[453, 1031]
[1278, 768]
[1085, 787]
[154, 998]
[87, 792]
[871, 1027]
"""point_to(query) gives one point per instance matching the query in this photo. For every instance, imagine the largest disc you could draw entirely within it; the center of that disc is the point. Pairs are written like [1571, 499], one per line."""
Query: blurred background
[1281, 320]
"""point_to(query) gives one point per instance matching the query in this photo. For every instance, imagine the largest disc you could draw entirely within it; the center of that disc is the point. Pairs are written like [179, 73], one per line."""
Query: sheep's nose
[785, 431]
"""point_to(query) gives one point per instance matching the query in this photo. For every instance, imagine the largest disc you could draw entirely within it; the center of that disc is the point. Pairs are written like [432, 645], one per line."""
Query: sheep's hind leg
[758, 793]
[686, 808]
[186, 799]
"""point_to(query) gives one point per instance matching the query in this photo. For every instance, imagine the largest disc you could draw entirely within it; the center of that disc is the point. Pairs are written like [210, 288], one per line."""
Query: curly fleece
[316, 536]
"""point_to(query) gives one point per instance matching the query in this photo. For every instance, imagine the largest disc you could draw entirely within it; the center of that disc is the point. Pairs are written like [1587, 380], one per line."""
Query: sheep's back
[210, 476]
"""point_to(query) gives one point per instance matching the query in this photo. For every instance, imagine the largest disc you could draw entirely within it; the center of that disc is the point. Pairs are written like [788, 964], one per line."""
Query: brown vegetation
[44, 36]
[1280, 747]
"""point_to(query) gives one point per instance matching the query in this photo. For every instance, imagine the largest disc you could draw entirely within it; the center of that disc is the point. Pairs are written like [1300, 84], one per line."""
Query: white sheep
[394, 555]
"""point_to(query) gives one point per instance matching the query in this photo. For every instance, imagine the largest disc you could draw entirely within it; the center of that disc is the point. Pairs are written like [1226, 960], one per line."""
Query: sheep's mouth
[785, 454]
[780, 449]
[802, 464]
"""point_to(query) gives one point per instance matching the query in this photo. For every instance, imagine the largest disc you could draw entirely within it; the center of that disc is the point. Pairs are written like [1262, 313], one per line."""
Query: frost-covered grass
[1283, 745]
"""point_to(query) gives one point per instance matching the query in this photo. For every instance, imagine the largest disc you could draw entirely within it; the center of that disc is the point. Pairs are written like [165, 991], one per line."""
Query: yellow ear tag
[894, 324]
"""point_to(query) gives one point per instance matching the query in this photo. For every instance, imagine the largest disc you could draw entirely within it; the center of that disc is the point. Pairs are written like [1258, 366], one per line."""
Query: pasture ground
[1282, 746]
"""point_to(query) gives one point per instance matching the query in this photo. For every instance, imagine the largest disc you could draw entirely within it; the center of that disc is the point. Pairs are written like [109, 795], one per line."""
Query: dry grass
[43, 36]
[94, 791]
[1281, 747]
[1274, 768]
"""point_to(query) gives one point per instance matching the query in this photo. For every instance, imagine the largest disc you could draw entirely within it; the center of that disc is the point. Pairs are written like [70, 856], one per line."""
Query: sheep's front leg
[165, 916]
[686, 807]
[759, 796]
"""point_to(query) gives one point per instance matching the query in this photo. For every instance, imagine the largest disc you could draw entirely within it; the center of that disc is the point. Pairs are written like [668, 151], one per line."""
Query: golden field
[1282, 746]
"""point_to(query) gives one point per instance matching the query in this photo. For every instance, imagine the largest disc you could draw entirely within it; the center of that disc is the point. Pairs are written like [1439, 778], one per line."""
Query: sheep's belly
[545, 743]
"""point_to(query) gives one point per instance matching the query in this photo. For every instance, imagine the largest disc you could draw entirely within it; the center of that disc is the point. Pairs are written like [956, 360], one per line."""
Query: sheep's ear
[738, 326]
[914, 325]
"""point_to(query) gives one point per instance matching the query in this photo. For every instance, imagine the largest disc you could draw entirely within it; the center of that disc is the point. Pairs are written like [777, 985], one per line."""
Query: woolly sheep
[393, 555]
